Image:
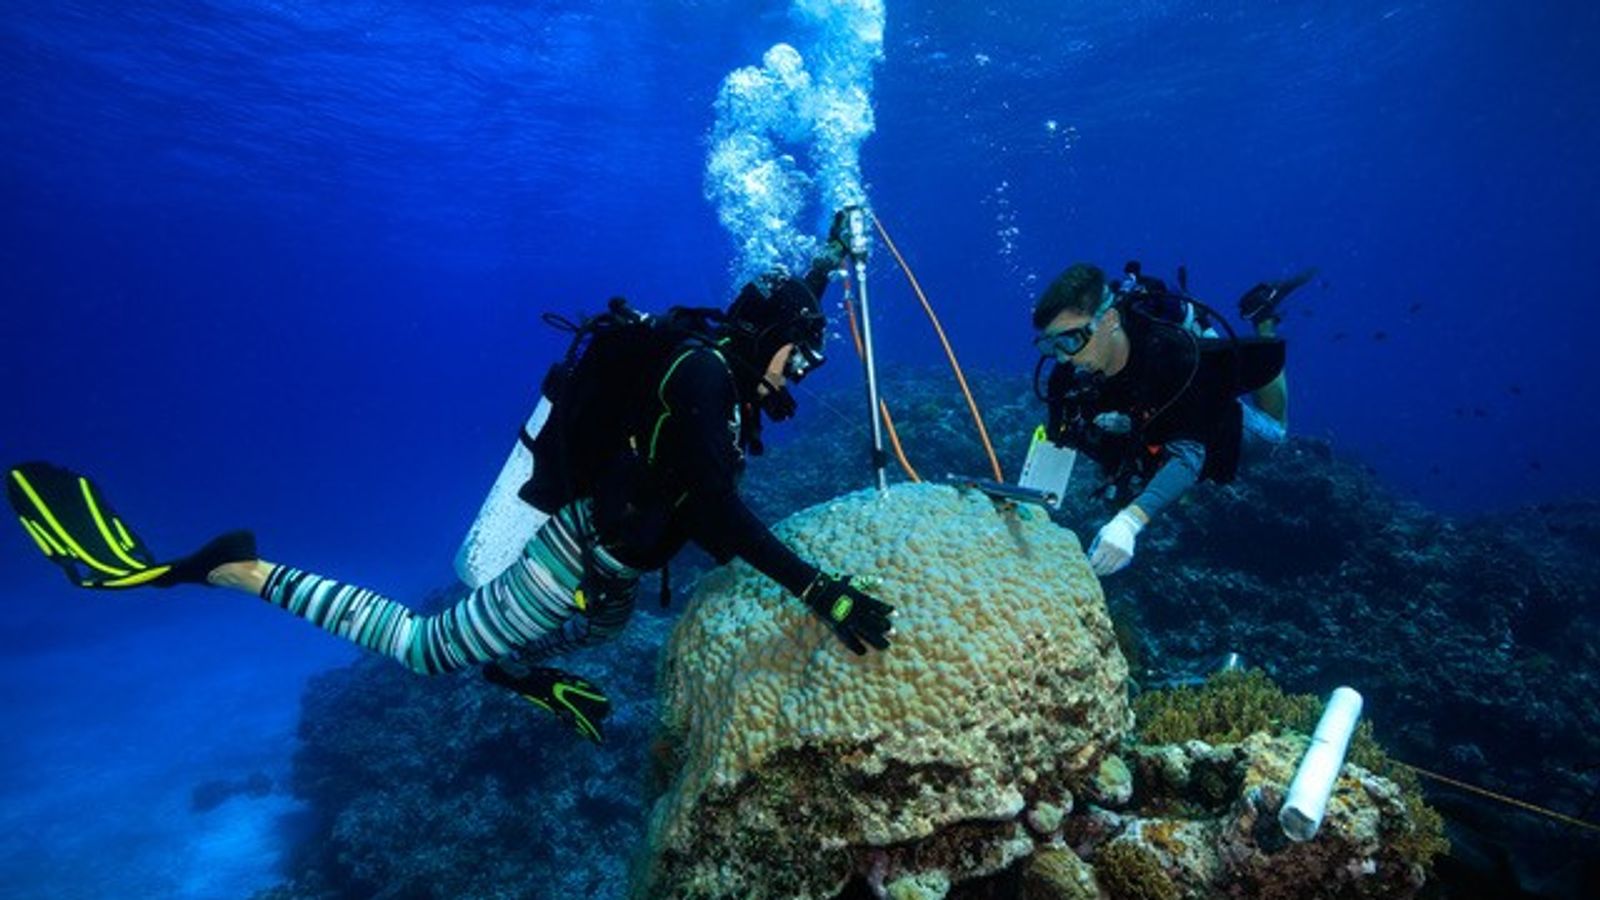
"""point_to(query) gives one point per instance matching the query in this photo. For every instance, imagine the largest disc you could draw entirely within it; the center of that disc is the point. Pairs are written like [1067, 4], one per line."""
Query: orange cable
[1520, 804]
[983, 432]
[894, 441]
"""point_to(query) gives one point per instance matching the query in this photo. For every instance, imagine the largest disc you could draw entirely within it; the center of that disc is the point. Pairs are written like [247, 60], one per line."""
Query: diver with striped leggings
[642, 454]
[540, 606]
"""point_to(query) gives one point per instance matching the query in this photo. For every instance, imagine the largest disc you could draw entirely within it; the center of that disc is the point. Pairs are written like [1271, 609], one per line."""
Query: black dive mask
[802, 359]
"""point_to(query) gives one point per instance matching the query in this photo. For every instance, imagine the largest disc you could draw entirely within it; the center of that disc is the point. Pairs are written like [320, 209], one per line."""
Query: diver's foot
[197, 567]
[244, 575]
[1259, 305]
[574, 700]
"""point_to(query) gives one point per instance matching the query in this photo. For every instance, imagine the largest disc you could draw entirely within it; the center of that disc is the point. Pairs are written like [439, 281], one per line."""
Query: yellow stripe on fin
[105, 530]
[137, 578]
[38, 537]
[122, 533]
[50, 538]
[76, 551]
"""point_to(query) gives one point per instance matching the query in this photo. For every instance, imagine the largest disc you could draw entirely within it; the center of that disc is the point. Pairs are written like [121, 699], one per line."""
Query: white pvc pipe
[505, 522]
[1307, 802]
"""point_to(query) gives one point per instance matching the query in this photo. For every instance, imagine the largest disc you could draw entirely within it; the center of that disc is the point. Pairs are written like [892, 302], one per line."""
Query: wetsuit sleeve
[726, 528]
[817, 278]
[1185, 459]
[697, 440]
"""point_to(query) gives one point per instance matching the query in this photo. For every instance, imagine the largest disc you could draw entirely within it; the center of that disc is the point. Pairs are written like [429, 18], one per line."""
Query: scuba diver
[1144, 385]
[642, 453]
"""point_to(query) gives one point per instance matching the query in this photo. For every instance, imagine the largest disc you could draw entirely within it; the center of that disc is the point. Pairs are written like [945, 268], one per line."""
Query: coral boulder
[792, 765]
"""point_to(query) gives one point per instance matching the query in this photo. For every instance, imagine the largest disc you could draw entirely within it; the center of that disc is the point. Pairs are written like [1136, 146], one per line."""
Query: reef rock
[1207, 827]
[796, 765]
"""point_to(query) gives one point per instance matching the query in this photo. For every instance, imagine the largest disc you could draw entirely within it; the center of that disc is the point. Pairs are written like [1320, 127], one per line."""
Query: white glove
[1112, 549]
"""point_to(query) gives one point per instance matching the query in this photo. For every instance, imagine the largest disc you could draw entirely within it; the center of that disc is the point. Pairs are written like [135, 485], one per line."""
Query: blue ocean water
[281, 265]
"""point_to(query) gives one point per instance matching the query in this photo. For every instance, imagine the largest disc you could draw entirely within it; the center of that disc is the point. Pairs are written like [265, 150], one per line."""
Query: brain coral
[794, 764]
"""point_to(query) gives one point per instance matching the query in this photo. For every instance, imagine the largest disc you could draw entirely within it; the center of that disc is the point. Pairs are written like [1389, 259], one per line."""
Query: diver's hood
[774, 310]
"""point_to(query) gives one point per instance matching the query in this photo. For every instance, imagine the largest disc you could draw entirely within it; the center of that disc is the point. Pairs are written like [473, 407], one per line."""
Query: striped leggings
[532, 610]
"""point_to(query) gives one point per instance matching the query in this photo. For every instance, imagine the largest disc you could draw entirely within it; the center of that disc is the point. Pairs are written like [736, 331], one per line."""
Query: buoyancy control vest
[605, 396]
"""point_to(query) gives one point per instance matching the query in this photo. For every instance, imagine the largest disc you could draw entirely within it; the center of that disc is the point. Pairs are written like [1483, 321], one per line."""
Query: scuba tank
[505, 523]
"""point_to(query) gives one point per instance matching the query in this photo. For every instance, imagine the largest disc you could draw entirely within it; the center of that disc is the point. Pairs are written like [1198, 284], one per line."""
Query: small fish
[1414, 308]
[1340, 335]
[1461, 412]
[1380, 335]
[1535, 465]
[1434, 471]
[1479, 412]
[1516, 390]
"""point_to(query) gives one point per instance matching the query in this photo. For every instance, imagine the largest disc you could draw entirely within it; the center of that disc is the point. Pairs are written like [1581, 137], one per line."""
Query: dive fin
[574, 700]
[1260, 303]
[70, 520]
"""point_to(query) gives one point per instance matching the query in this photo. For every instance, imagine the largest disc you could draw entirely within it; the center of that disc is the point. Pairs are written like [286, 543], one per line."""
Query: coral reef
[1128, 871]
[1055, 873]
[1474, 643]
[803, 765]
[1205, 824]
[1234, 705]
[452, 787]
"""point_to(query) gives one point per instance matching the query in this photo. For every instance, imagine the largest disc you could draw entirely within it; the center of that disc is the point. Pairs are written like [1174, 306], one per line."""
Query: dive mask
[802, 360]
[1065, 344]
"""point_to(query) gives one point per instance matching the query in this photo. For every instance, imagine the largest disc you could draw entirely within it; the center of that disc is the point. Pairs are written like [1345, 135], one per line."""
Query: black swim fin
[75, 526]
[574, 700]
[1260, 303]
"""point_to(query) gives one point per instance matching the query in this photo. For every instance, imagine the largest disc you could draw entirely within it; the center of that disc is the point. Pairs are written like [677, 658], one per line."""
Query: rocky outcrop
[803, 765]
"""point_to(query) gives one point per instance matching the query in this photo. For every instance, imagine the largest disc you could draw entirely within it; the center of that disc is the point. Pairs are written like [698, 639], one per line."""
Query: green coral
[1128, 871]
[921, 886]
[1058, 874]
[1230, 706]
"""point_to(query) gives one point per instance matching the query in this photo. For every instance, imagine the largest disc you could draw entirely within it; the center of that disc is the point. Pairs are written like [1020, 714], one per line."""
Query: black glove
[854, 615]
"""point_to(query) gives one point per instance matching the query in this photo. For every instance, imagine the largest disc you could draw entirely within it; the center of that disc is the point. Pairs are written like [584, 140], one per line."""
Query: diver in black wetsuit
[1143, 386]
[642, 453]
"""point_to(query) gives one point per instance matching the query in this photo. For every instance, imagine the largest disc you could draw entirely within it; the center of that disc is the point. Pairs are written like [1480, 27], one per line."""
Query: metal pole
[858, 254]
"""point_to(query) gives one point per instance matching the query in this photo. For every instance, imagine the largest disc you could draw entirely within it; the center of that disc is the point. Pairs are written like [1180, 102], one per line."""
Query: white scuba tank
[505, 522]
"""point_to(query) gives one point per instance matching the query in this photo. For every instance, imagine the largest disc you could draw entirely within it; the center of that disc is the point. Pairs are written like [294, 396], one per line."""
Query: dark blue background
[281, 265]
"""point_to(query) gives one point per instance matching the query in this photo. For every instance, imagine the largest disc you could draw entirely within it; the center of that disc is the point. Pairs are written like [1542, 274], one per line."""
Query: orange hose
[888, 420]
[1510, 801]
[983, 432]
